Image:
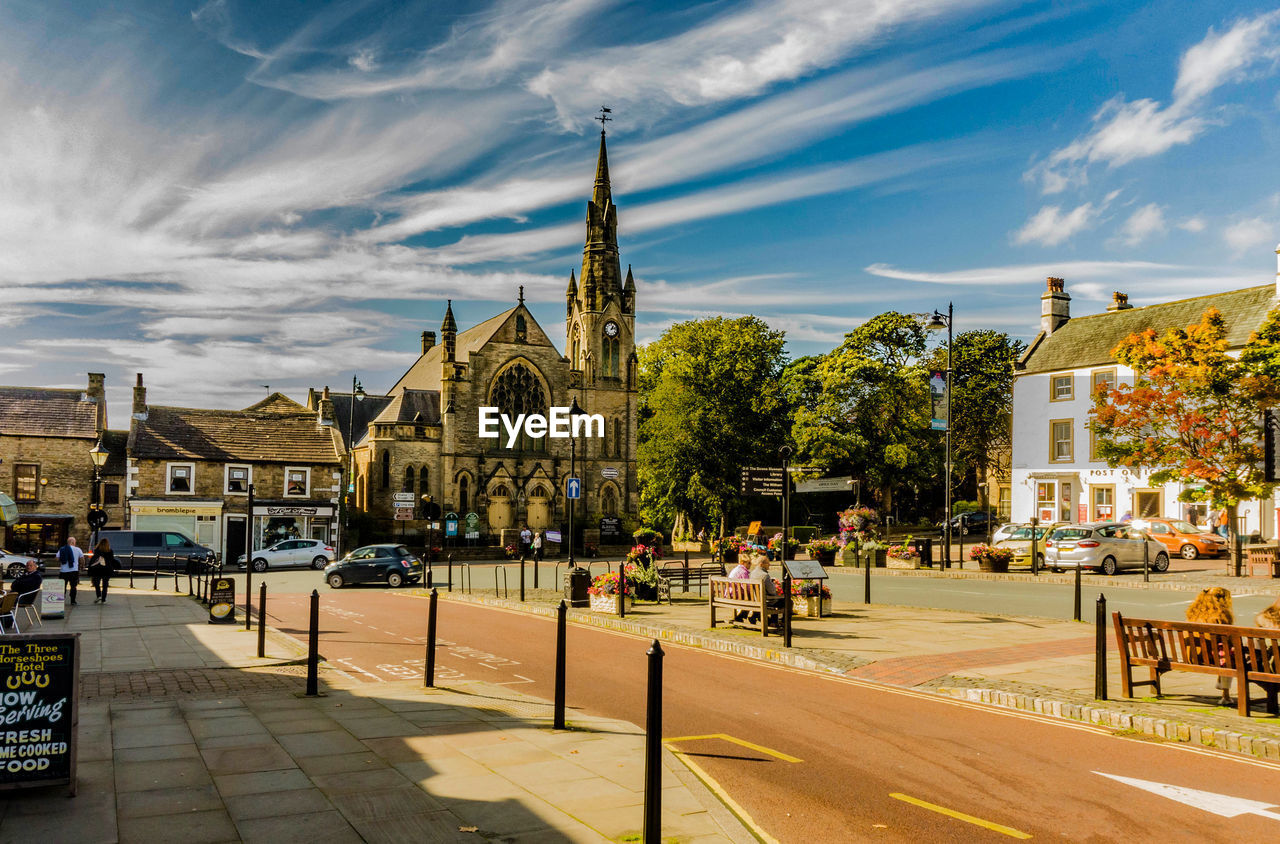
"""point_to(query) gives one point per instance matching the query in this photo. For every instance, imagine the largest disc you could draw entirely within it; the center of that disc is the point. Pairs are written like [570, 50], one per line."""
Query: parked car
[390, 564]
[1019, 538]
[1183, 538]
[291, 552]
[162, 549]
[1004, 531]
[15, 564]
[967, 523]
[1105, 546]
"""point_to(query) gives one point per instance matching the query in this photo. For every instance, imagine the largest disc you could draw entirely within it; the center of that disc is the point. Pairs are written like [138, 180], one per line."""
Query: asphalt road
[818, 758]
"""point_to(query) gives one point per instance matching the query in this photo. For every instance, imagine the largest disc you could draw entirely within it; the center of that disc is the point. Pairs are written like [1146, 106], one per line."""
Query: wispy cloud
[1146, 221]
[1051, 225]
[1250, 232]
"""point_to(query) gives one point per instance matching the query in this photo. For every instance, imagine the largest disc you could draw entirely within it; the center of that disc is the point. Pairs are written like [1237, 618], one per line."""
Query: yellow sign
[213, 509]
[753, 529]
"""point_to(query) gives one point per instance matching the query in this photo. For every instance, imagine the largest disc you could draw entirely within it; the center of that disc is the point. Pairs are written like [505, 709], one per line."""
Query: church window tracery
[518, 390]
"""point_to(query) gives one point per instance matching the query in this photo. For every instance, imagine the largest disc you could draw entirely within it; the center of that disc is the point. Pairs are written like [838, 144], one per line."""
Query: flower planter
[643, 591]
[826, 558]
[808, 607]
[607, 603]
[879, 558]
[986, 563]
[904, 562]
[693, 547]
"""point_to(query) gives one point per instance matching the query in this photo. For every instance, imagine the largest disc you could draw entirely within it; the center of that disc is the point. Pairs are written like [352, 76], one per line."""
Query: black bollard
[131, 553]
[313, 647]
[248, 586]
[1100, 649]
[866, 580]
[429, 678]
[190, 588]
[177, 584]
[561, 624]
[622, 589]
[653, 750]
[450, 559]
[522, 578]
[431, 575]
[1077, 606]
[155, 575]
[786, 602]
[262, 619]
[537, 563]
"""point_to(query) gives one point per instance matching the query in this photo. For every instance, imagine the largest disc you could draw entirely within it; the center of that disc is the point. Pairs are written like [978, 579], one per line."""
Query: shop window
[238, 478]
[1046, 501]
[26, 482]
[297, 482]
[1146, 504]
[1104, 503]
[181, 478]
[1061, 388]
[1060, 431]
[111, 493]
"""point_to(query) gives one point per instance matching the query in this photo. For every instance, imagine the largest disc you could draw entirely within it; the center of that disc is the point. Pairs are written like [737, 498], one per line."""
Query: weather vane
[604, 117]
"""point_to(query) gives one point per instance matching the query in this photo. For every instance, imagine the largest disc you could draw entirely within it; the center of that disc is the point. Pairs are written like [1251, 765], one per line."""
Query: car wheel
[259, 565]
[1039, 561]
[335, 581]
[1162, 562]
[394, 579]
[16, 570]
[319, 562]
[1189, 552]
[1109, 566]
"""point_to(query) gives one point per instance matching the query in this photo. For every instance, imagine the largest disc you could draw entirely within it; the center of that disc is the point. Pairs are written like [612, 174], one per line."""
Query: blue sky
[225, 195]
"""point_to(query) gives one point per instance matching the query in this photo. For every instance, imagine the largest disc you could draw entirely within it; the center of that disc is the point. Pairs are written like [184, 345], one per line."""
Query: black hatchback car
[393, 565]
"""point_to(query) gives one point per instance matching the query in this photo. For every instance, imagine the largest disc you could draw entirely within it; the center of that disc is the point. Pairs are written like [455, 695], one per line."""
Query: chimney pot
[1055, 306]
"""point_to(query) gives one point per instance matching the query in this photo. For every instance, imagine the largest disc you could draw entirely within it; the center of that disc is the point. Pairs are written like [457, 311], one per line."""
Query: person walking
[69, 557]
[101, 566]
[538, 538]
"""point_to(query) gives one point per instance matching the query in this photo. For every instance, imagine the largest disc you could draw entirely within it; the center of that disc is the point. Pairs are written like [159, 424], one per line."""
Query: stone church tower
[424, 438]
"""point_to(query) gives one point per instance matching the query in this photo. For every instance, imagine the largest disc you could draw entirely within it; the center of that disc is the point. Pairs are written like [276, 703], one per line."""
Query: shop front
[199, 520]
[38, 533]
[274, 521]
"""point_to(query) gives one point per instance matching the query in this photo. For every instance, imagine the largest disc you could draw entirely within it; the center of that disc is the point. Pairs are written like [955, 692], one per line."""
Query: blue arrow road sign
[573, 488]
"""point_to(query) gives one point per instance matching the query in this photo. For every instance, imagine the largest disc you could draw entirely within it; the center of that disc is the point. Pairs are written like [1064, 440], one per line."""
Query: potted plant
[991, 557]
[728, 548]
[642, 581]
[805, 595]
[603, 592]
[823, 550]
[778, 548]
[648, 537]
[512, 552]
[644, 555]
[904, 556]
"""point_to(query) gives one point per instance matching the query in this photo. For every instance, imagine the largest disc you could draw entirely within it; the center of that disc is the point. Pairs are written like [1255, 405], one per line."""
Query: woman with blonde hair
[1213, 606]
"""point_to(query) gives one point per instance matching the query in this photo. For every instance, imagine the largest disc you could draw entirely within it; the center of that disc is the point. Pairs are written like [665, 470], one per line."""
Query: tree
[1193, 413]
[710, 403]
[866, 406]
[981, 400]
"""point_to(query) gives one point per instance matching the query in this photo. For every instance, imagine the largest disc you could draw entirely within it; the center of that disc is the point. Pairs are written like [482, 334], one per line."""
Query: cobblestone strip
[1162, 728]
[1239, 586]
[181, 682]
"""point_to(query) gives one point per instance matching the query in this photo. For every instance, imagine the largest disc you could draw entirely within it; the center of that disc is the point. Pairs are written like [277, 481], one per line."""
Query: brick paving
[183, 682]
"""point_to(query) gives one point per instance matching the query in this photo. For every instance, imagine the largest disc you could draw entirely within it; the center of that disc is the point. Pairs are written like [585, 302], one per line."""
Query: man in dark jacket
[28, 582]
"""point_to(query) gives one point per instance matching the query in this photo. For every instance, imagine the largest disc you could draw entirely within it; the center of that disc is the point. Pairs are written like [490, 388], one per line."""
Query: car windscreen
[403, 551]
[1070, 534]
[1186, 527]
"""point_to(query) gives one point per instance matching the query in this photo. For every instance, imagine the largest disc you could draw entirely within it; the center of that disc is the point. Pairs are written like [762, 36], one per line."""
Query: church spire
[601, 277]
[449, 332]
[600, 196]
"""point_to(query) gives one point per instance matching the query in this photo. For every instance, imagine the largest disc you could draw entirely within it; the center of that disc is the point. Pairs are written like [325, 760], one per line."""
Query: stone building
[190, 470]
[425, 439]
[1057, 474]
[46, 435]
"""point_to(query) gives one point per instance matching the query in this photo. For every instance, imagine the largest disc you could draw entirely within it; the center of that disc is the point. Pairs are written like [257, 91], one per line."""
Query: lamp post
[576, 579]
[936, 323]
[99, 456]
[357, 394]
[574, 411]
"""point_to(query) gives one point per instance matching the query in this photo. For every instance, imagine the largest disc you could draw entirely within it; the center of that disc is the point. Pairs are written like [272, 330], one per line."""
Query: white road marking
[348, 663]
[522, 679]
[1224, 805]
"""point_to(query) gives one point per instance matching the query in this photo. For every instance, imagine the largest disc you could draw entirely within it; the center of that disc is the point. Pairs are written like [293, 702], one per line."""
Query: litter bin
[576, 582]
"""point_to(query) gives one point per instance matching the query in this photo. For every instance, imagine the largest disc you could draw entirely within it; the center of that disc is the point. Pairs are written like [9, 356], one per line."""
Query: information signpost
[761, 480]
[42, 676]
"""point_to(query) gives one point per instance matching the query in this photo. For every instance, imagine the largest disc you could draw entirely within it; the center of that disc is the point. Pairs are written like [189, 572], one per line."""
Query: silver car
[315, 553]
[1105, 546]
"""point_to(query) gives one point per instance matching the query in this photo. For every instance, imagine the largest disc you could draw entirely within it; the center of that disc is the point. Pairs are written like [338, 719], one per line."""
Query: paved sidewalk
[185, 735]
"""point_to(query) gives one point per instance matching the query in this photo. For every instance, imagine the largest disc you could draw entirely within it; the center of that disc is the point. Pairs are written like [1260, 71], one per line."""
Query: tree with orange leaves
[1194, 412]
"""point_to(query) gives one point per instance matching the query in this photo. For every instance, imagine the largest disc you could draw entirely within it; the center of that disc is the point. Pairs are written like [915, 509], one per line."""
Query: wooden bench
[1263, 556]
[1249, 654]
[677, 572]
[745, 596]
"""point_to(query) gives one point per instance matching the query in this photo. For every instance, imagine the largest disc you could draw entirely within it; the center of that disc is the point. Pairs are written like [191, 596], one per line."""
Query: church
[423, 436]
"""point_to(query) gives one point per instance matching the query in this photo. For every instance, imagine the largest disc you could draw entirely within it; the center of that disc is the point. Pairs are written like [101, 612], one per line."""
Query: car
[967, 523]
[15, 564]
[315, 553]
[1183, 538]
[1018, 537]
[390, 564]
[1105, 546]
[156, 549]
[1004, 531]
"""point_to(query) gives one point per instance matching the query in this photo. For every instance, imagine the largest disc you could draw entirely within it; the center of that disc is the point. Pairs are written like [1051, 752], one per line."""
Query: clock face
[611, 329]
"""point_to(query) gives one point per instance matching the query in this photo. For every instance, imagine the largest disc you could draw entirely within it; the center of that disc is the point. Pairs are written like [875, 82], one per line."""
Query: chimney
[428, 340]
[1119, 302]
[97, 393]
[326, 408]
[139, 399]
[1055, 306]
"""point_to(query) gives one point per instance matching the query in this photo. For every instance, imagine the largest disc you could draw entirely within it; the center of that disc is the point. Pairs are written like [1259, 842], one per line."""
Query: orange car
[1183, 538]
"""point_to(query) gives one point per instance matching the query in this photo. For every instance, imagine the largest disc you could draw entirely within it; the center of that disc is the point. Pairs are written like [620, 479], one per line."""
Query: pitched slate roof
[366, 410]
[277, 403]
[46, 412]
[117, 444]
[1088, 340]
[222, 435]
[420, 406]
[425, 372]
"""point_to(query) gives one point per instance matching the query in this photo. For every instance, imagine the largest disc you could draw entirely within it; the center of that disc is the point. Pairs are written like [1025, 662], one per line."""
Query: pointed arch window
[609, 364]
[386, 469]
[518, 390]
[422, 481]
[464, 494]
[408, 479]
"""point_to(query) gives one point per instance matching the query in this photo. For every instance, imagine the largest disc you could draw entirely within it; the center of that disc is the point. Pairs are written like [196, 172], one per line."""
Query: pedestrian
[101, 566]
[69, 557]
[1213, 606]
[1222, 523]
[538, 539]
[526, 540]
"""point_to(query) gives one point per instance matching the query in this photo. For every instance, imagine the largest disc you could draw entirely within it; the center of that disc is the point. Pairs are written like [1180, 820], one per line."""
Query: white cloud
[1126, 131]
[1193, 224]
[1050, 226]
[1249, 233]
[1146, 221]
[363, 60]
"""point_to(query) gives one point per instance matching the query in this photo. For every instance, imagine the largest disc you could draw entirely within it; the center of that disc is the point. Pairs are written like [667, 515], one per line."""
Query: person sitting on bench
[761, 573]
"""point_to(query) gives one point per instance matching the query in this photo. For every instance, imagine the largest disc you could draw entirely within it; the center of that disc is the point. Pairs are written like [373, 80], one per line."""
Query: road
[813, 757]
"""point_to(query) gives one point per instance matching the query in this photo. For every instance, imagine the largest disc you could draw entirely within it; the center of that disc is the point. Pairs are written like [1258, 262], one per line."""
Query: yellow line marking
[718, 791]
[726, 737]
[961, 816]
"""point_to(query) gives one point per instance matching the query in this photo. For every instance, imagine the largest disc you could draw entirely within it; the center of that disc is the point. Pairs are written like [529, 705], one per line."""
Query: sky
[234, 197]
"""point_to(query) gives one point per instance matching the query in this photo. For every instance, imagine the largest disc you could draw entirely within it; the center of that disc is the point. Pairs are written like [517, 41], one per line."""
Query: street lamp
[936, 323]
[576, 579]
[574, 411]
[97, 518]
[357, 394]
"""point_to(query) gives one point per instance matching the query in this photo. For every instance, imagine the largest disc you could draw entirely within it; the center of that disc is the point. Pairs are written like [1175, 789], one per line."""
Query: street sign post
[573, 488]
[824, 485]
[404, 514]
[610, 472]
[403, 498]
[761, 480]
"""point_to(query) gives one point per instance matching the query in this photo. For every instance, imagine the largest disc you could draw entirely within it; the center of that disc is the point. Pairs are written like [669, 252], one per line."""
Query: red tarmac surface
[859, 744]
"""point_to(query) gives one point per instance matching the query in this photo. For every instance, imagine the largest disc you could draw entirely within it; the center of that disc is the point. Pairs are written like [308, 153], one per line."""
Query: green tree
[710, 403]
[1193, 413]
[863, 407]
[981, 401]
